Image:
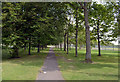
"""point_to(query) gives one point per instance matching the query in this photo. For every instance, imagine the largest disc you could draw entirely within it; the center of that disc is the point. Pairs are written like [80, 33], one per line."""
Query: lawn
[23, 68]
[102, 68]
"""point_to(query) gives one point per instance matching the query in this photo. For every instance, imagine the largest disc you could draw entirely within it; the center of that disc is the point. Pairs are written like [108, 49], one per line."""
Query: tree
[32, 24]
[12, 23]
[88, 46]
[102, 22]
[76, 11]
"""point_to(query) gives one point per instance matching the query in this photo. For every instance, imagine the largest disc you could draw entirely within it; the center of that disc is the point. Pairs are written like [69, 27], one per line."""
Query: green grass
[23, 68]
[102, 68]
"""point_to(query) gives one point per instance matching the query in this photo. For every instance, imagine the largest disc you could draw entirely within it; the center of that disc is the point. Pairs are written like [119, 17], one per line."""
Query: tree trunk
[88, 46]
[25, 46]
[29, 53]
[80, 47]
[16, 51]
[65, 42]
[38, 47]
[113, 47]
[76, 33]
[98, 38]
[42, 47]
[14, 54]
[60, 46]
[45, 46]
[118, 19]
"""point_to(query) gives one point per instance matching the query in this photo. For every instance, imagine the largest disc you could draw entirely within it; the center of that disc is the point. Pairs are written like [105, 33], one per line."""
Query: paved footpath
[50, 70]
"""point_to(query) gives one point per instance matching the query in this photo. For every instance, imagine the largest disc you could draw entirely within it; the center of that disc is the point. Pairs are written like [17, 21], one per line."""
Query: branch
[81, 5]
[71, 4]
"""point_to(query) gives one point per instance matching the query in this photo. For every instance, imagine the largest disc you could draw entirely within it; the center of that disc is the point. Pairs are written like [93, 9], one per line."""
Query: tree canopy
[38, 24]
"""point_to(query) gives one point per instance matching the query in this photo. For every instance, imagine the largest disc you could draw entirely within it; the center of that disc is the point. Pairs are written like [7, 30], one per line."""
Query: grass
[102, 68]
[23, 68]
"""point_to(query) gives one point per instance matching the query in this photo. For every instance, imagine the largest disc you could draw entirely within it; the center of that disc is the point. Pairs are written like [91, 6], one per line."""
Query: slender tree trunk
[118, 20]
[25, 46]
[29, 46]
[60, 46]
[45, 46]
[38, 47]
[113, 47]
[15, 52]
[42, 47]
[65, 42]
[33, 48]
[80, 47]
[76, 34]
[98, 38]
[88, 46]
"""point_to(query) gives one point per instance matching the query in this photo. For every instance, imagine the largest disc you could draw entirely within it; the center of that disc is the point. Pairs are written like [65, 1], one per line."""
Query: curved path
[50, 70]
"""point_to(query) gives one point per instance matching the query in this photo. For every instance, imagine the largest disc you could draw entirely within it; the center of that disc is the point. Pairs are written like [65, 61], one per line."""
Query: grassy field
[102, 68]
[23, 68]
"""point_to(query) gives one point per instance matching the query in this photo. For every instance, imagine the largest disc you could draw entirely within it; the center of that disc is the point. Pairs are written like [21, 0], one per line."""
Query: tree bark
[76, 33]
[99, 54]
[65, 42]
[38, 47]
[88, 46]
[15, 52]
[118, 19]
[45, 46]
[42, 47]
[113, 47]
[80, 47]
[60, 46]
[25, 46]
[29, 53]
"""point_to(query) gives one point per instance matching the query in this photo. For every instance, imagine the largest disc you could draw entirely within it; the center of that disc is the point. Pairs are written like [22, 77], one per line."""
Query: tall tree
[102, 23]
[87, 29]
[76, 32]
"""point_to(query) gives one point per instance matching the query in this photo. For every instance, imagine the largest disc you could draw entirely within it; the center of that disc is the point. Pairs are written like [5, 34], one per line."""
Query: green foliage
[44, 23]
[34, 23]
[103, 15]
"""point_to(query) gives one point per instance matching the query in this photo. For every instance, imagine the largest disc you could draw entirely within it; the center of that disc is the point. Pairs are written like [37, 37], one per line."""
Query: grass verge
[23, 68]
[102, 68]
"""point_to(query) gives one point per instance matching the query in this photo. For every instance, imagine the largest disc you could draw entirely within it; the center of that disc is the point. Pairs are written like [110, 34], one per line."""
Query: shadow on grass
[103, 59]
[98, 74]
[99, 62]
[35, 59]
[31, 60]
